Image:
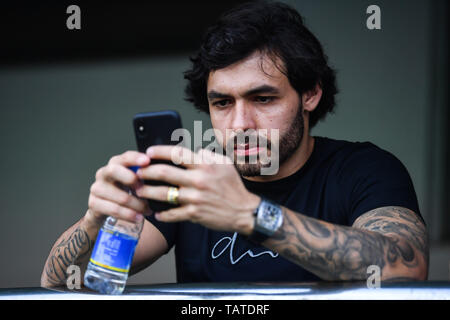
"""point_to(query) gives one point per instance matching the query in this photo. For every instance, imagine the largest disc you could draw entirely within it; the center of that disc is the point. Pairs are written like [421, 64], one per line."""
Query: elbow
[45, 282]
[410, 263]
[421, 272]
[406, 273]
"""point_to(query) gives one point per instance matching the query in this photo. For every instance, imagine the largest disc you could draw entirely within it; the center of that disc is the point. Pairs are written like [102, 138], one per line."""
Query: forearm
[73, 247]
[335, 252]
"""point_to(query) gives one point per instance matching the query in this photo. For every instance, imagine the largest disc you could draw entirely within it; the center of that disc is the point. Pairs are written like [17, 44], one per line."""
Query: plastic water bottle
[107, 271]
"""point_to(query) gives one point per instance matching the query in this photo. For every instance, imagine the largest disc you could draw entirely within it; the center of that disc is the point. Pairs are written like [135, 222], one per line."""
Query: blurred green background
[60, 121]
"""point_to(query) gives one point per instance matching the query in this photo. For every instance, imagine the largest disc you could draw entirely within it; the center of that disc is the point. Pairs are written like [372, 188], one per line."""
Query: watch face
[269, 217]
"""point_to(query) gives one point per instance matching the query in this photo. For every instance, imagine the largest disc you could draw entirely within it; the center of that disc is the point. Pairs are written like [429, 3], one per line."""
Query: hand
[211, 191]
[107, 197]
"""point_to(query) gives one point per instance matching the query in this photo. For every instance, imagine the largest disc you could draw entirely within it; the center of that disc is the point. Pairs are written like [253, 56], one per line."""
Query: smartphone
[155, 128]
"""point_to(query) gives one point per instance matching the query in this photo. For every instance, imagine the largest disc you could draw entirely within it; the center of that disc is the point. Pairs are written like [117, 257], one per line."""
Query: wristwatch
[268, 218]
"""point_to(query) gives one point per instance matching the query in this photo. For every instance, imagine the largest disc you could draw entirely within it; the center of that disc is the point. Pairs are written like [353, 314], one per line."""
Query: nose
[243, 117]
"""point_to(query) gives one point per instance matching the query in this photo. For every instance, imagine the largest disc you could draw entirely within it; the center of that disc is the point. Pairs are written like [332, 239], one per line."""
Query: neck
[293, 164]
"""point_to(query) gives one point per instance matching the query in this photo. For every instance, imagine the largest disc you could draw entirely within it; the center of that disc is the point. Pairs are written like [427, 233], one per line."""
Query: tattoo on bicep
[396, 222]
[68, 252]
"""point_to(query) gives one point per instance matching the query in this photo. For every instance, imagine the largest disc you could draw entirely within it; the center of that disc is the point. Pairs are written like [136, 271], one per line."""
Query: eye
[264, 99]
[221, 103]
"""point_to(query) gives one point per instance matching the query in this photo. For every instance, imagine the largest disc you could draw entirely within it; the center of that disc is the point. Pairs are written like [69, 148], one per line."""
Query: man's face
[248, 96]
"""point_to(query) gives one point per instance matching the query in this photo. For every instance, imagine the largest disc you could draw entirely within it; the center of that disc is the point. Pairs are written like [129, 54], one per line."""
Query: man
[333, 208]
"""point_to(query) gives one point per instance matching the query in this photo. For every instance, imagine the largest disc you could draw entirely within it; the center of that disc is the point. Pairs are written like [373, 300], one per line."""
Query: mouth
[246, 150]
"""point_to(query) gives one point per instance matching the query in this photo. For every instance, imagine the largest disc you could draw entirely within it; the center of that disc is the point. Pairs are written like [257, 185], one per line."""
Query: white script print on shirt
[230, 244]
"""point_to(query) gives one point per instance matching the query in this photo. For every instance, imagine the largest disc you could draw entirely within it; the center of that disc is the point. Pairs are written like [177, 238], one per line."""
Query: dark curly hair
[275, 29]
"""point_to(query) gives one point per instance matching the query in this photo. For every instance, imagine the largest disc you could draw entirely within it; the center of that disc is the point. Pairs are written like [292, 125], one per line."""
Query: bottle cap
[134, 168]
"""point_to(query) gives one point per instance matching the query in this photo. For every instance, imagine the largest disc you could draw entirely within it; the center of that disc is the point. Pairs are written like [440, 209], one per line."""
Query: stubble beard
[289, 142]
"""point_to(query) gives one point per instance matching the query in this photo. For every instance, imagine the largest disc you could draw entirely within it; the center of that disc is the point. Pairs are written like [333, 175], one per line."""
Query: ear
[311, 98]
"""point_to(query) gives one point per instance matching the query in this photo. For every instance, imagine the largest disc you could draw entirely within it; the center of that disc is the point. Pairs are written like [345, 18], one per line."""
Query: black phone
[156, 128]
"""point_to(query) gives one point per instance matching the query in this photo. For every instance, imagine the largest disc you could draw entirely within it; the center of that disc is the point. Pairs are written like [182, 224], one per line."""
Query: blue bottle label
[113, 251]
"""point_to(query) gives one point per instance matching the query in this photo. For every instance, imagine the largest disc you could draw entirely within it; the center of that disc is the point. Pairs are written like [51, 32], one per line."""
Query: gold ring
[172, 195]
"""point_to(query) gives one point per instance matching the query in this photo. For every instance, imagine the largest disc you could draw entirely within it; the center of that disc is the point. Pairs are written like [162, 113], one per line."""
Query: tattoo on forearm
[387, 237]
[72, 250]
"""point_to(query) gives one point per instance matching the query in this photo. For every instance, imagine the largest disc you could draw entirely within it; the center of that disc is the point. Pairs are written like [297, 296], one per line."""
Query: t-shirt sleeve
[168, 230]
[375, 178]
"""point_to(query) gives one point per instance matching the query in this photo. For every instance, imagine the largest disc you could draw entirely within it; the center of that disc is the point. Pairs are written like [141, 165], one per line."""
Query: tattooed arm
[73, 247]
[393, 238]
[107, 197]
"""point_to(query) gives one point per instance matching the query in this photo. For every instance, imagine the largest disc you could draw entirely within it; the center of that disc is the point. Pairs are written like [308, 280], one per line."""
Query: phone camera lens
[141, 130]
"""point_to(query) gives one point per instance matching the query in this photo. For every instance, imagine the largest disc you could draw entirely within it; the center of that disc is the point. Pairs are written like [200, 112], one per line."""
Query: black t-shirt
[340, 181]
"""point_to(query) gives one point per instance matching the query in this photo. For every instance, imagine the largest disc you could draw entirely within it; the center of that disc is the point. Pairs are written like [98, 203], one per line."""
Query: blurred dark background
[32, 31]
[67, 98]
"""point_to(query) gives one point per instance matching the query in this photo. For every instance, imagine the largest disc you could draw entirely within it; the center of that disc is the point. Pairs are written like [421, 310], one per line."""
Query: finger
[185, 195]
[177, 154]
[113, 209]
[110, 192]
[209, 157]
[170, 174]
[131, 158]
[155, 193]
[115, 172]
[178, 214]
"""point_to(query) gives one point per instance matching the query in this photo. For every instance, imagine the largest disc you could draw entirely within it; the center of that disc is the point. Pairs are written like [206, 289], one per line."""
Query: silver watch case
[269, 217]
